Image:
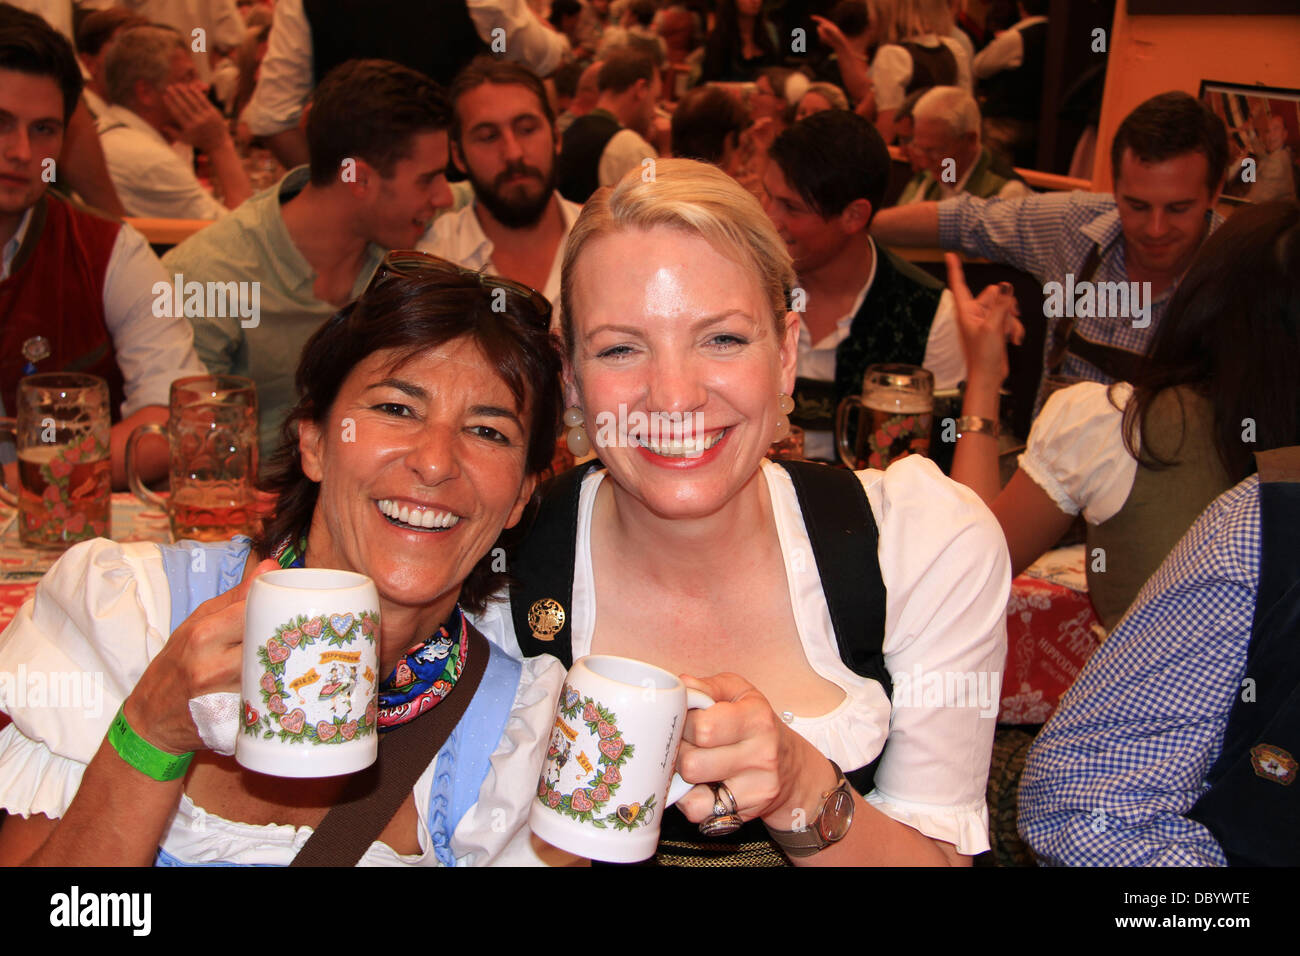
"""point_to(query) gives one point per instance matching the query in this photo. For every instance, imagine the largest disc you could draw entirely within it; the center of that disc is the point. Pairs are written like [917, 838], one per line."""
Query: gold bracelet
[974, 425]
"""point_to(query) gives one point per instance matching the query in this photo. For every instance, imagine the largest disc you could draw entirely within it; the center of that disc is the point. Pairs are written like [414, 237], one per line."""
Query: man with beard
[503, 137]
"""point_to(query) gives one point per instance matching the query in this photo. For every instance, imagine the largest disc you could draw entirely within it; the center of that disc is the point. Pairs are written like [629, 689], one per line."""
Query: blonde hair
[894, 21]
[695, 199]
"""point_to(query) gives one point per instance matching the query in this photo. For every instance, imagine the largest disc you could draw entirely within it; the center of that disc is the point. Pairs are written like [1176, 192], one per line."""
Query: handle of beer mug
[8, 426]
[841, 436]
[133, 475]
[695, 700]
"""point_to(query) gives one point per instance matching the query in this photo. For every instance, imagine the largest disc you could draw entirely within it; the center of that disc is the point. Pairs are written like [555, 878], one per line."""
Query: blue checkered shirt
[1049, 235]
[1125, 756]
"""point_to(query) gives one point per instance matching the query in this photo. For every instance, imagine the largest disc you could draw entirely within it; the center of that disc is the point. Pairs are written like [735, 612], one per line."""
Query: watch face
[836, 817]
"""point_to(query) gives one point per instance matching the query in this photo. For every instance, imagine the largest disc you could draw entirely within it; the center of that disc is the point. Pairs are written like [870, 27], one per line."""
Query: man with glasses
[946, 145]
[378, 138]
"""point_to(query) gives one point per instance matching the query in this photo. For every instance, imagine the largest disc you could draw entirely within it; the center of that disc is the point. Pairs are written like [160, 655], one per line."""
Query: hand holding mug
[771, 771]
[202, 656]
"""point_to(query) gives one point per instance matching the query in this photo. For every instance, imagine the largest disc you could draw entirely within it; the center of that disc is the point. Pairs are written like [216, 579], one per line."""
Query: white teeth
[692, 447]
[418, 517]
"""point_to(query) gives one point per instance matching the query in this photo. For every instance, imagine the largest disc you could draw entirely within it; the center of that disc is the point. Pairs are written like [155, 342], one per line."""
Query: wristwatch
[834, 817]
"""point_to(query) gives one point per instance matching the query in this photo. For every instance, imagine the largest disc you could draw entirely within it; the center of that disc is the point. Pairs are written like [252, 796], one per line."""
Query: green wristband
[142, 755]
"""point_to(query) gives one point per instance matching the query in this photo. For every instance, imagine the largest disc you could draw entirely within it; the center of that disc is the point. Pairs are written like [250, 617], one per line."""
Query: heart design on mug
[613, 749]
[349, 730]
[581, 801]
[293, 720]
[313, 627]
[542, 788]
[268, 682]
[590, 712]
[600, 794]
[553, 798]
[342, 623]
[605, 729]
[276, 651]
[612, 776]
[292, 637]
[629, 814]
[372, 712]
[276, 704]
[325, 731]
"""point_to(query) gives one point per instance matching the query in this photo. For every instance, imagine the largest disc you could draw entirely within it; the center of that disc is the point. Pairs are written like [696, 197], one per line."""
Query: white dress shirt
[947, 575]
[943, 355]
[151, 352]
[458, 237]
[1006, 51]
[150, 178]
[286, 79]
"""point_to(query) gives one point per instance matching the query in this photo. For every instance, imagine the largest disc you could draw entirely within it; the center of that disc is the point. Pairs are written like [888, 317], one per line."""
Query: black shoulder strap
[844, 540]
[541, 570]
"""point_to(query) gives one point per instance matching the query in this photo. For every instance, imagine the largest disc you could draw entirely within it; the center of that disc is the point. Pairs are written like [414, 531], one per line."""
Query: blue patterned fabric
[1110, 779]
[1049, 235]
[198, 571]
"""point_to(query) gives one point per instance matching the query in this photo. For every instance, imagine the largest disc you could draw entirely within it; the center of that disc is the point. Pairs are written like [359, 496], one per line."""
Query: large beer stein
[893, 417]
[212, 434]
[65, 473]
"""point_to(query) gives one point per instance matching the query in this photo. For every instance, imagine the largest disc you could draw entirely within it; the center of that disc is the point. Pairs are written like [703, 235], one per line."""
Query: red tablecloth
[1052, 630]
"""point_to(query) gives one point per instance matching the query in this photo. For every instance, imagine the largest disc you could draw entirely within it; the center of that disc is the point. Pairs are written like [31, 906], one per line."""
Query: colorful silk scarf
[427, 672]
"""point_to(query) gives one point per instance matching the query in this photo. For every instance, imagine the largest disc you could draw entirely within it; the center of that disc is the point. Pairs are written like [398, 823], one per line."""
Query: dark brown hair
[488, 69]
[412, 314]
[1173, 124]
[30, 45]
[1232, 334]
[370, 109]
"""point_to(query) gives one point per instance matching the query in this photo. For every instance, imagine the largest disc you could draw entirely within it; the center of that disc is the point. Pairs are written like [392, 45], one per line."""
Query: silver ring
[720, 809]
[721, 825]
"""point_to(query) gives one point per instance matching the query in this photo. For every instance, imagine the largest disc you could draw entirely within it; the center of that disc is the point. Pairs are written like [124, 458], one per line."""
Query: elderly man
[156, 100]
[946, 145]
[503, 137]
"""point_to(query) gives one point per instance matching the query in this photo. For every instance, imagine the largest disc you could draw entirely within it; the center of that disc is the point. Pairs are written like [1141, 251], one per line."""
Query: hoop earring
[576, 437]
[785, 404]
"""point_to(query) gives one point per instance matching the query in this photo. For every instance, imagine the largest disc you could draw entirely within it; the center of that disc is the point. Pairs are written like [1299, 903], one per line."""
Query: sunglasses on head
[408, 263]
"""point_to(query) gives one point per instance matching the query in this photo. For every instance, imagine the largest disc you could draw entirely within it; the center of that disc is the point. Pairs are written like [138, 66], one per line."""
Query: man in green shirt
[377, 134]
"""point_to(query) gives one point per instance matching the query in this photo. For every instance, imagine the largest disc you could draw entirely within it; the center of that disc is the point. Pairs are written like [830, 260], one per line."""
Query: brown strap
[372, 796]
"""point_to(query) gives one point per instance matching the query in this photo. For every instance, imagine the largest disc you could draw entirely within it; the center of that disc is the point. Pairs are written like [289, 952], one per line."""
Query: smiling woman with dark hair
[426, 414]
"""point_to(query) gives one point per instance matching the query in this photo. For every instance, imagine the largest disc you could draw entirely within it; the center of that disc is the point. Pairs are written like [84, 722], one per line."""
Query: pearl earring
[576, 437]
[785, 404]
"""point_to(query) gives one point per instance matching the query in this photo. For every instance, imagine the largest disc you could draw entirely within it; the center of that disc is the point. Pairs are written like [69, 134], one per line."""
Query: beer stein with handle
[65, 473]
[212, 434]
[894, 415]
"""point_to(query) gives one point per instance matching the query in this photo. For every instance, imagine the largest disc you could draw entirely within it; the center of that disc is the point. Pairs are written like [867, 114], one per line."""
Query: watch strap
[142, 755]
[809, 840]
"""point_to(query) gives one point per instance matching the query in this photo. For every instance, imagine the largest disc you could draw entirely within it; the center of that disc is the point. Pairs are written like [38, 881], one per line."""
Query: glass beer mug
[212, 434]
[893, 418]
[65, 473]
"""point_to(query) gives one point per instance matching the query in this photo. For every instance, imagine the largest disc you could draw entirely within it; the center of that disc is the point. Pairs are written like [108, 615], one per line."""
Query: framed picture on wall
[1263, 139]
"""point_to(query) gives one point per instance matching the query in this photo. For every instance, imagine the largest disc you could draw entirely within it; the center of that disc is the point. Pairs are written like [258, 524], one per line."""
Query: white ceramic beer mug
[310, 677]
[608, 774]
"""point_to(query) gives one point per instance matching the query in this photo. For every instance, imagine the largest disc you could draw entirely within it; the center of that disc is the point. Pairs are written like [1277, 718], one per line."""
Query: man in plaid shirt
[1169, 158]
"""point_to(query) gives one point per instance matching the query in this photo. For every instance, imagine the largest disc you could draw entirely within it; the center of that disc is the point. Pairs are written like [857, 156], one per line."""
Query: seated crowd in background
[1138, 411]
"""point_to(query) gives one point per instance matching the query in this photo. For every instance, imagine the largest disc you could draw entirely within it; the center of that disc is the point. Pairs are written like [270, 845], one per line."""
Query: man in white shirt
[503, 137]
[946, 143]
[450, 32]
[219, 20]
[860, 305]
[76, 289]
[155, 101]
[602, 146]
